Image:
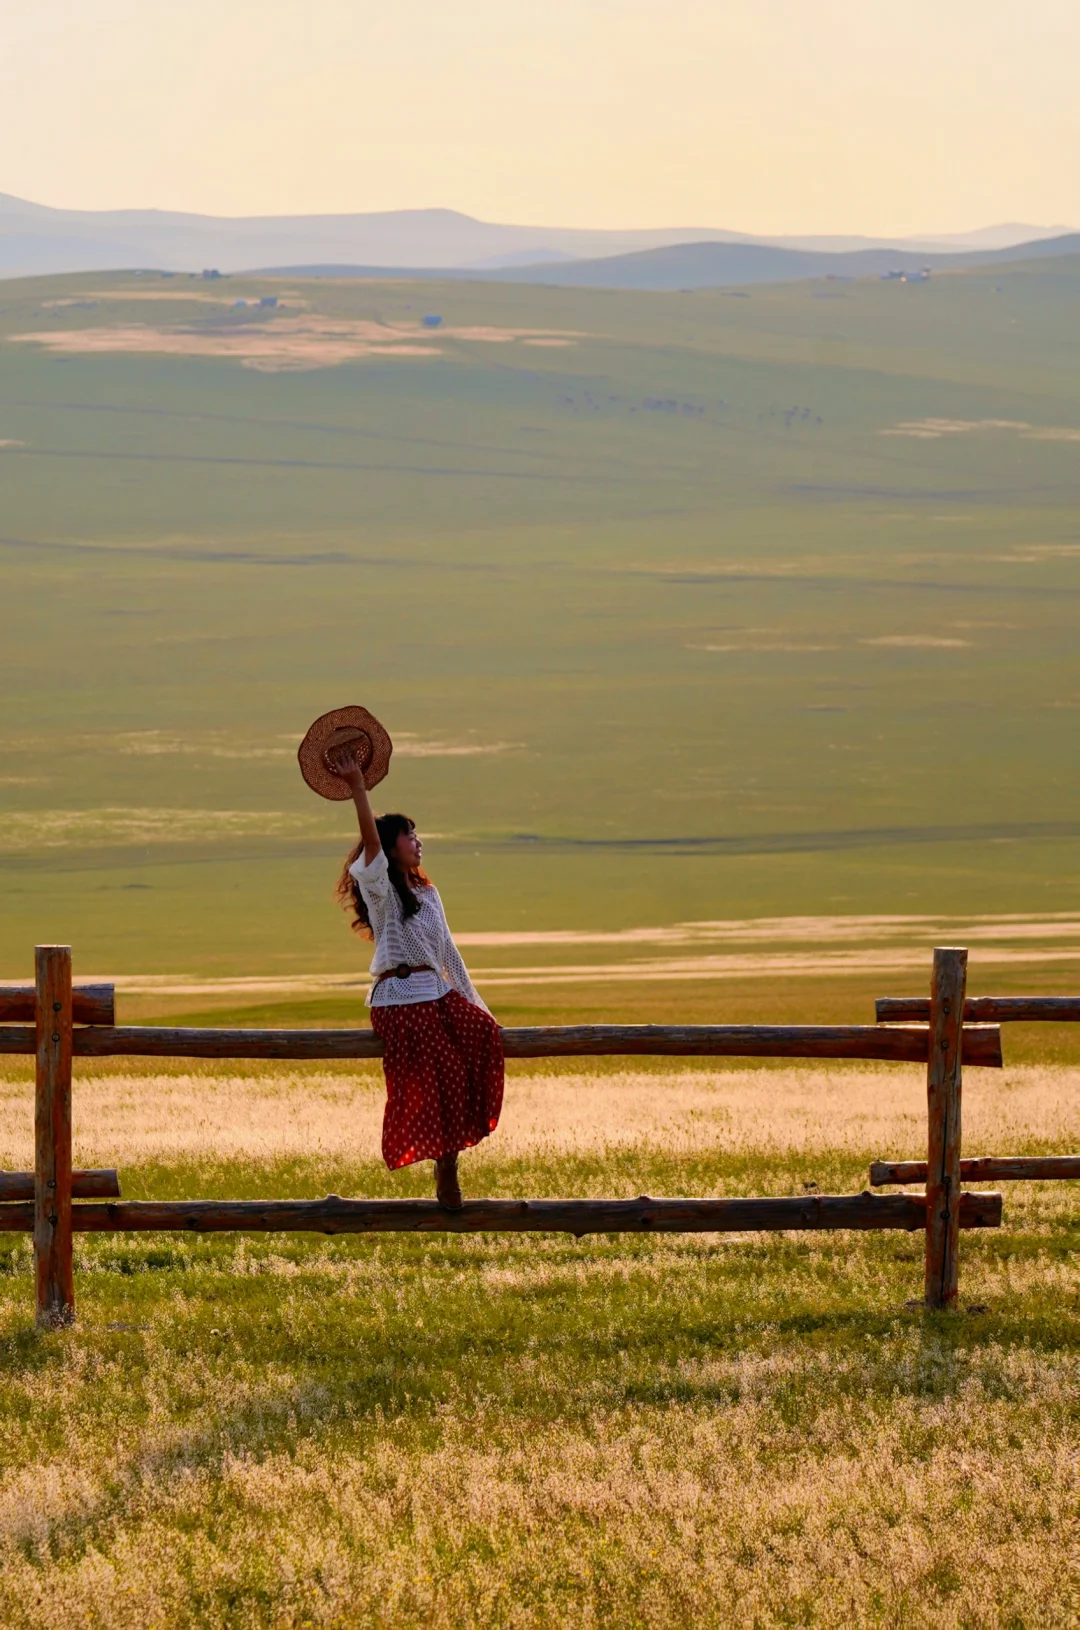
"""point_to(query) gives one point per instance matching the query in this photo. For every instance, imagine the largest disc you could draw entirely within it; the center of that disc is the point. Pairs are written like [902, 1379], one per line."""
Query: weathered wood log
[943, 1082]
[855, 1041]
[895, 1044]
[93, 1183]
[982, 1169]
[984, 1010]
[90, 1004]
[54, 1269]
[643, 1215]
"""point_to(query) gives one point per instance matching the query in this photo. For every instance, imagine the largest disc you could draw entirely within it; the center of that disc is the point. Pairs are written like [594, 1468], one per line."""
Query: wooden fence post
[947, 989]
[53, 1265]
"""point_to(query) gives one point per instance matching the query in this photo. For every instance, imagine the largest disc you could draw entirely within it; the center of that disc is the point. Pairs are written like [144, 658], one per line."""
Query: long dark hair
[347, 892]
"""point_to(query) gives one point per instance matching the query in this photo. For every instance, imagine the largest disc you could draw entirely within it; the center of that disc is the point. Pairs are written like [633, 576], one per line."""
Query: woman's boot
[447, 1187]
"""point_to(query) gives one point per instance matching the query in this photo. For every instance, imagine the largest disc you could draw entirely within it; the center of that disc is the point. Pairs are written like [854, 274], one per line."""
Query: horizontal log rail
[643, 1215]
[101, 1183]
[90, 1004]
[982, 1169]
[889, 1044]
[984, 1010]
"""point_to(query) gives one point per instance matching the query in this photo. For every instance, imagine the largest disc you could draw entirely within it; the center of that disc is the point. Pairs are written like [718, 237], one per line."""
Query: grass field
[729, 645]
[719, 608]
[477, 1430]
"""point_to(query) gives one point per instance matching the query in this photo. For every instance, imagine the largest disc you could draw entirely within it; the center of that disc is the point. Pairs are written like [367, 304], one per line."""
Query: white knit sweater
[420, 940]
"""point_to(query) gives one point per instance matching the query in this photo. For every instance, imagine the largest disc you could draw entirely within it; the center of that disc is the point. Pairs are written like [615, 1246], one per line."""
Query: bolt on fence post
[943, 1081]
[53, 1264]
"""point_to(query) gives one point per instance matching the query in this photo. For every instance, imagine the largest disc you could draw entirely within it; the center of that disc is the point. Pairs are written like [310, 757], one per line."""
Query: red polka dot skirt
[443, 1063]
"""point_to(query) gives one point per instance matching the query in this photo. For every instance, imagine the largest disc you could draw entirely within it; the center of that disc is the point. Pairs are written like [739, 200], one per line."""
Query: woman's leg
[447, 1184]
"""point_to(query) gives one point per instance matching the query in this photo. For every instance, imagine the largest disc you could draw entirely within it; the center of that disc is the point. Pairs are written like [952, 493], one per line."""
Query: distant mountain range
[691, 266]
[732, 265]
[35, 239]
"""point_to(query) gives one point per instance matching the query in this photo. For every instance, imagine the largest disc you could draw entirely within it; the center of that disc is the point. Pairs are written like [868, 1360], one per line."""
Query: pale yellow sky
[876, 116]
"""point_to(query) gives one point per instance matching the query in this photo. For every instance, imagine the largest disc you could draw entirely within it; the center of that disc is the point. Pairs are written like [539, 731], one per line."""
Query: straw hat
[344, 724]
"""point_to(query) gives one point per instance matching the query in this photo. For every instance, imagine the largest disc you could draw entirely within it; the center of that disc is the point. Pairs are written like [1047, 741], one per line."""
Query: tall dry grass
[126, 1118]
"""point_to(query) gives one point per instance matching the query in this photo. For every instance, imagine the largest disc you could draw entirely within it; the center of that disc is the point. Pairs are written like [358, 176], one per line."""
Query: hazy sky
[879, 116]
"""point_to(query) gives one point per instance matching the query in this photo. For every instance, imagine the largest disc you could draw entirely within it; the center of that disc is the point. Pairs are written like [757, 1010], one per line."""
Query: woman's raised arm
[343, 761]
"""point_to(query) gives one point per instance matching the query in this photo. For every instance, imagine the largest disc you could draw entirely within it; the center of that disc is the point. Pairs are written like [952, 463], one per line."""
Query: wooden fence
[983, 1010]
[60, 1022]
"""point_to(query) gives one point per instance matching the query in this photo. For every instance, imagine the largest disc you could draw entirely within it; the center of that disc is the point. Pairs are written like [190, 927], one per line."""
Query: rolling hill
[689, 266]
[36, 239]
[679, 607]
[737, 265]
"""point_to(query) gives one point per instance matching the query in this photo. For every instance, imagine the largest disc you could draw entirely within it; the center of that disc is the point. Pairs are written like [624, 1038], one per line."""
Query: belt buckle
[402, 971]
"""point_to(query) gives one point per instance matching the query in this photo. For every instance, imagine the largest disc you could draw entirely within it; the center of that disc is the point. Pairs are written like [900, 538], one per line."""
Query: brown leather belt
[402, 971]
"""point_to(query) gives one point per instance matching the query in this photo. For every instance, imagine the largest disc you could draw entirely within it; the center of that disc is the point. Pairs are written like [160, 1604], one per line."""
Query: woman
[442, 1050]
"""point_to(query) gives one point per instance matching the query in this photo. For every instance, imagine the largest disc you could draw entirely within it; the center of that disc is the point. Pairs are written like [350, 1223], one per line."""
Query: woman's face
[408, 851]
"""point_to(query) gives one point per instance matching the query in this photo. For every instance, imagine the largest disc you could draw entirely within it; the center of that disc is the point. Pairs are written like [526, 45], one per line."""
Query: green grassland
[680, 627]
[634, 625]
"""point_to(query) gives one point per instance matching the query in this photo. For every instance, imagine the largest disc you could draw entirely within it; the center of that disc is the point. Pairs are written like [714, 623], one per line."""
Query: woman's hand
[343, 761]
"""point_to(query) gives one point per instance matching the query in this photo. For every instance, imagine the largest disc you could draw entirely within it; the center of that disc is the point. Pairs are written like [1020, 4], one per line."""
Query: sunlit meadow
[730, 651]
[525, 1431]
